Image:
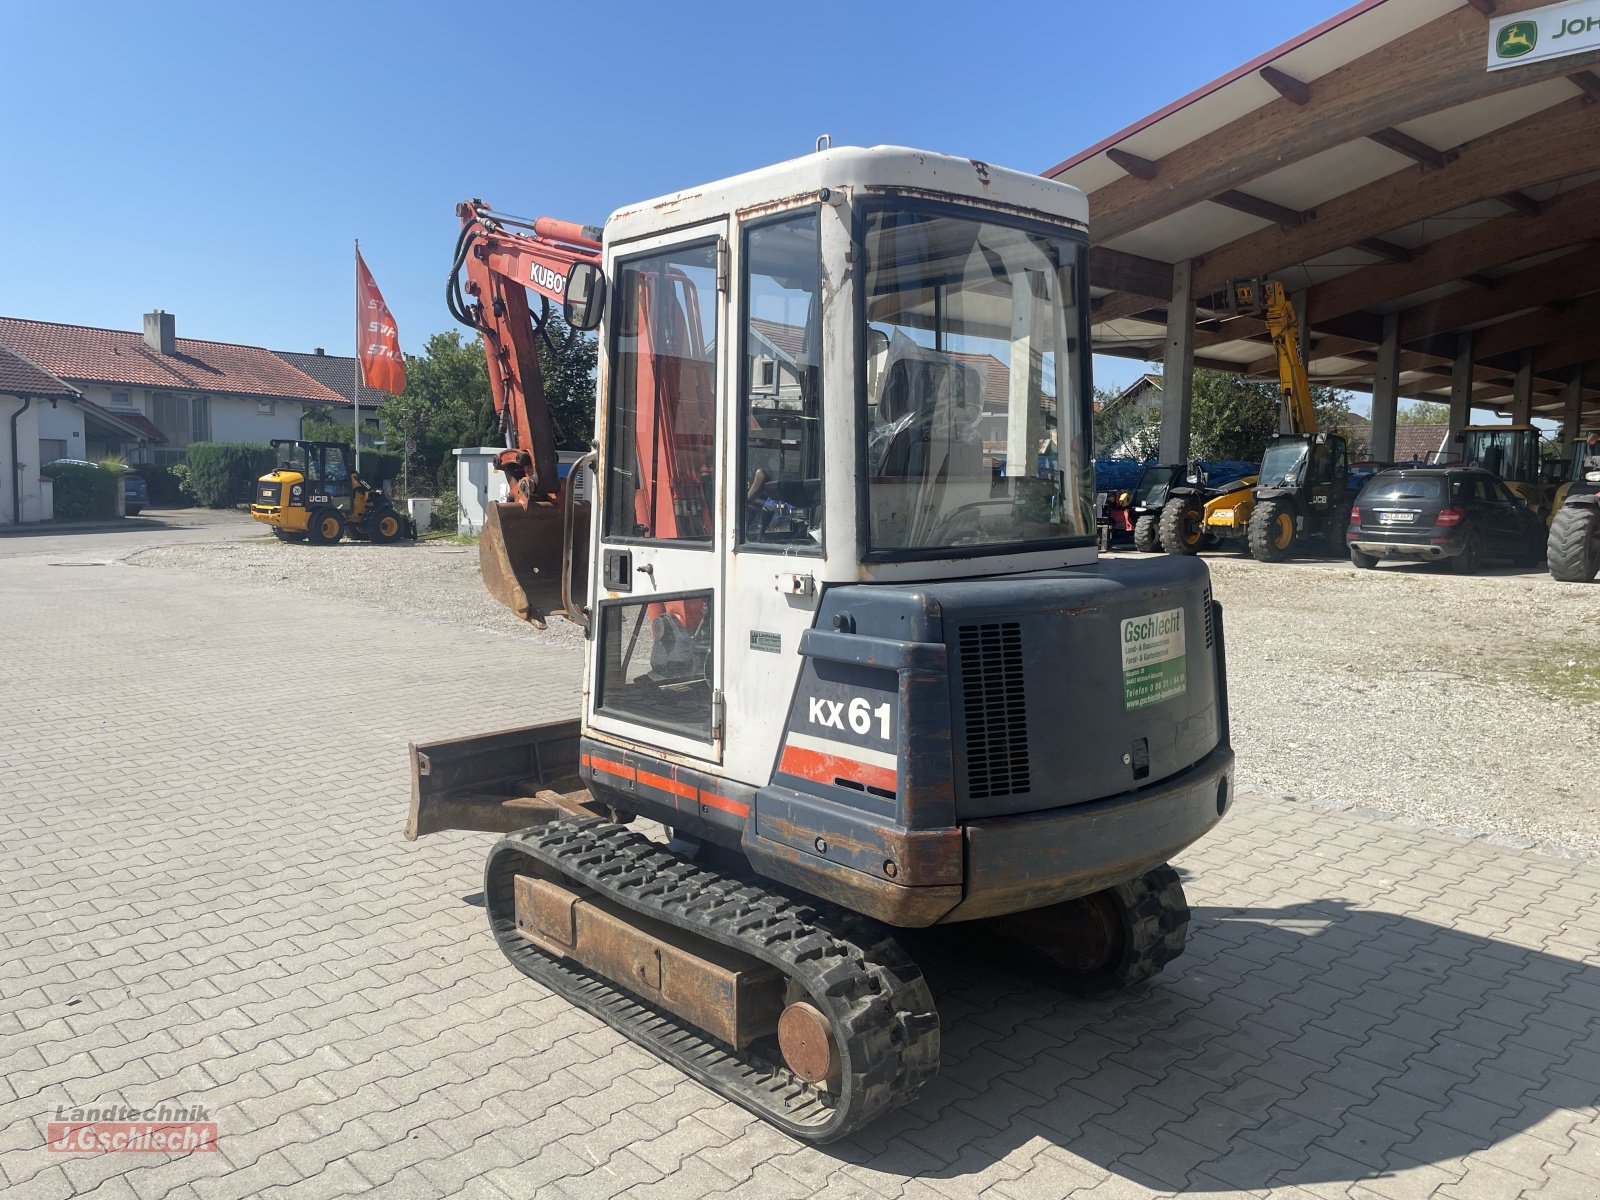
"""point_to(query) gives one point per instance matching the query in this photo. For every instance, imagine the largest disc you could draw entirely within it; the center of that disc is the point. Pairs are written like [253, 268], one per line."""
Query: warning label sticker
[1154, 667]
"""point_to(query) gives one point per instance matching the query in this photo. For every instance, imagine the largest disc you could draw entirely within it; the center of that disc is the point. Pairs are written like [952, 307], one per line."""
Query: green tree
[1423, 412]
[1135, 425]
[1233, 417]
[447, 402]
[327, 426]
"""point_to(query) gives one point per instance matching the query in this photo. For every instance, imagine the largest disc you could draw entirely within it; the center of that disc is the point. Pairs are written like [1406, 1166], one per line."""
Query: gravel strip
[1467, 704]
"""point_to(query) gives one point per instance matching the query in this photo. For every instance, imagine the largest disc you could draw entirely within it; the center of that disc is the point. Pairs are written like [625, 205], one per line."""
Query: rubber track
[880, 1008]
[1158, 924]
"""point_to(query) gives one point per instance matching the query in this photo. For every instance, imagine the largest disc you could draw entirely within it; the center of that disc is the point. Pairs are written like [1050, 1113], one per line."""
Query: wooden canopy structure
[1437, 222]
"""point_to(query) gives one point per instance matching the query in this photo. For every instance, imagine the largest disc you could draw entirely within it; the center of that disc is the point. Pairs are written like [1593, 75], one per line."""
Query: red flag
[382, 366]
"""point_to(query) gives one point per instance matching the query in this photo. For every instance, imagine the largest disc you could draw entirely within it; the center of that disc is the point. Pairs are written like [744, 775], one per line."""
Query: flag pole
[355, 419]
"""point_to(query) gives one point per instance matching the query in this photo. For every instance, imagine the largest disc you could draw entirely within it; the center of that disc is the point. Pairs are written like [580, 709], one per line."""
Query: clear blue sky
[216, 160]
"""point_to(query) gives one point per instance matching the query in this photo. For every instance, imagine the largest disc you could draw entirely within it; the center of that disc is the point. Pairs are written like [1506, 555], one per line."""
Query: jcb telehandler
[315, 494]
[1301, 497]
[867, 676]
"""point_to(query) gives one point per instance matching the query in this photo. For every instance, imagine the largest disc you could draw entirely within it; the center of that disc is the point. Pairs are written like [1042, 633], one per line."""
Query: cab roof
[858, 171]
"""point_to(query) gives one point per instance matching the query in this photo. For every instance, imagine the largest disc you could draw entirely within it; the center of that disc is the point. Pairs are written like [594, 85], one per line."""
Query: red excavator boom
[521, 545]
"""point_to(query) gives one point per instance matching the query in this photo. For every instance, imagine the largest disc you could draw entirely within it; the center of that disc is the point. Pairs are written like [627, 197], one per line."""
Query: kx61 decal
[863, 718]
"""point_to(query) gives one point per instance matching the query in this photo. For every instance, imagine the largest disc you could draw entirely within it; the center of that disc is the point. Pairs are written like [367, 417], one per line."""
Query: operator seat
[929, 406]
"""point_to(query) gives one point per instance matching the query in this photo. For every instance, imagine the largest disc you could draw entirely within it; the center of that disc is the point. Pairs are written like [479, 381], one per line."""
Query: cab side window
[782, 386]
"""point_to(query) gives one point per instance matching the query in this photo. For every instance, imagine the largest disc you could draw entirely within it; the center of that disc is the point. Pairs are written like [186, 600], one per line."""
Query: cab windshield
[1586, 462]
[1283, 465]
[976, 391]
[1508, 453]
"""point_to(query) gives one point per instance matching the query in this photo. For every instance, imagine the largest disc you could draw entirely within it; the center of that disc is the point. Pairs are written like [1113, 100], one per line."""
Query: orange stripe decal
[711, 799]
[622, 770]
[687, 791]
[825, 768]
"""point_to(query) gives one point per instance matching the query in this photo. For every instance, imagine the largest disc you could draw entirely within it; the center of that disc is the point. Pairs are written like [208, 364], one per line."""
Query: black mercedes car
[1457, 513]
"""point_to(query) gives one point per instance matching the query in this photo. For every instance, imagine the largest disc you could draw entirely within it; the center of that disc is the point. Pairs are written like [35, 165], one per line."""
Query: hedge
[84, 493]
[379, 466]
[222, 474]
[166, 488]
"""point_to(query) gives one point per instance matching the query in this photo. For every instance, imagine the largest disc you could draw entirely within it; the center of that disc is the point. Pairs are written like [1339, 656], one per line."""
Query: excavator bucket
[521, 553]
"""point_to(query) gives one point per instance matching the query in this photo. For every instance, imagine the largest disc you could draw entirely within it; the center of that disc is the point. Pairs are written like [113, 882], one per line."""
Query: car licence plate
[1397, 518]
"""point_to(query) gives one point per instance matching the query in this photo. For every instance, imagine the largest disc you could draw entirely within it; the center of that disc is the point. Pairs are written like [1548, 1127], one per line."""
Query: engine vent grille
[995, 709]
[1210, 632]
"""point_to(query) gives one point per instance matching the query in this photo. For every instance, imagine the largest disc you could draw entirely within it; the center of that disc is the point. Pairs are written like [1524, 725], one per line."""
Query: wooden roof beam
[1567, 352]
[1119, 306]
[1588, 83]
[1385, 250]
[1139, 168]
[1412, 148]
[1521, 202]
[1537, 328]
[1569, 218]
[1279, 214]
[1286, 85]
[1554, 282]
[1486, 7]
[1437, 66]
[1512, 157]
[1124, 272]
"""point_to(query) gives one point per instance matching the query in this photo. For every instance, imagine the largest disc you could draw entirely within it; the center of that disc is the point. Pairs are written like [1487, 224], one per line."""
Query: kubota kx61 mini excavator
[848, 638]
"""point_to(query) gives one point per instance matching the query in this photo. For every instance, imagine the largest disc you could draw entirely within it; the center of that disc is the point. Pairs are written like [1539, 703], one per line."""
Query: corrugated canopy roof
[1379, 169]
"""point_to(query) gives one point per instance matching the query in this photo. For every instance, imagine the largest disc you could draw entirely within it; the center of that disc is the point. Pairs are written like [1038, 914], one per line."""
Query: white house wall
[63, 422]
[236, 420]
[28, 456]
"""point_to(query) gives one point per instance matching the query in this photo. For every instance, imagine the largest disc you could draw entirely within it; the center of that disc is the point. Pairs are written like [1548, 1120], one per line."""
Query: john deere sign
[1551, 32]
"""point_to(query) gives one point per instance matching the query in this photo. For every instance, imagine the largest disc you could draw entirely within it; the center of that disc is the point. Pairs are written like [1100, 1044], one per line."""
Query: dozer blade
[520, 554]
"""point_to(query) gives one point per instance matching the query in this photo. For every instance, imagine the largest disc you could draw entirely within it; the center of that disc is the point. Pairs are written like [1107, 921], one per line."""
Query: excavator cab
[848, 635]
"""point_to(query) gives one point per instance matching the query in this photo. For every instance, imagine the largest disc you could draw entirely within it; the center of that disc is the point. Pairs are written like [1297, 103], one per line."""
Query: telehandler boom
[848, 638]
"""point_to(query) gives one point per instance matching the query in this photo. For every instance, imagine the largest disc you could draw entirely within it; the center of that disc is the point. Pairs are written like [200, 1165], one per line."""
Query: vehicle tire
[384, 526]
[133, 510]
[1271, 531]
[1362, 559]
[1573, 552]
[1470, 558]
[326, 527]
[1147, 534]
[1182, 526]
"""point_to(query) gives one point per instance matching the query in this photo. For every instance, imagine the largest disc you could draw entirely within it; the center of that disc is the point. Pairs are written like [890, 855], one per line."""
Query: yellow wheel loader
[316, 495]
[1198, 516]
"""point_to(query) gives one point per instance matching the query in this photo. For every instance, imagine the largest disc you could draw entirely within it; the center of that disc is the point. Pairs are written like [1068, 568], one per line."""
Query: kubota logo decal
[544, 277]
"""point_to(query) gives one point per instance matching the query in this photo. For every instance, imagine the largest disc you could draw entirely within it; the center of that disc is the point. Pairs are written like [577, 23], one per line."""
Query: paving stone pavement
[209, 901]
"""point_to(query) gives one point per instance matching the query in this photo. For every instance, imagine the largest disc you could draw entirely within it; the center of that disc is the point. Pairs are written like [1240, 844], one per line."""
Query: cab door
[656, 671]
[335, 484]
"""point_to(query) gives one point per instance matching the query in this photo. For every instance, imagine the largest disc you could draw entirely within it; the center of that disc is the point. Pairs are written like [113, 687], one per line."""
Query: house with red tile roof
[159, 391]
[25, 391]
